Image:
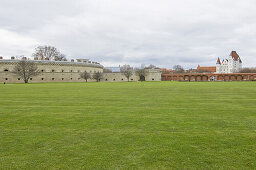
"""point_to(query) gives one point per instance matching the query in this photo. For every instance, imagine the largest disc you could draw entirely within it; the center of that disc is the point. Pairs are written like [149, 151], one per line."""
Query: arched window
[6, 70]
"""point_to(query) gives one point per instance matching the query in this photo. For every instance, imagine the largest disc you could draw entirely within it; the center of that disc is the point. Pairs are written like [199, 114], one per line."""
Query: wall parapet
[60, 63]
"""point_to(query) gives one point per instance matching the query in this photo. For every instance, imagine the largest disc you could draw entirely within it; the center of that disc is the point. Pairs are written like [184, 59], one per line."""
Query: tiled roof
[234, 55]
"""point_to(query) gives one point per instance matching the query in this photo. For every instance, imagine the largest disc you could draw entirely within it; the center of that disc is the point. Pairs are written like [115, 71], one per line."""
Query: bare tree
[178, 69]
[248, 70]
[128, 74]
[142, 73]
[85, 75]
[26, 69]
[127, 71]
[97, 76]
[151, 66]
[125, 67]
[48, 53]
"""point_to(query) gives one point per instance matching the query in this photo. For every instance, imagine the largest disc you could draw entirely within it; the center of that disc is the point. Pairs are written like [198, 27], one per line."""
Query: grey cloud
[113, 32]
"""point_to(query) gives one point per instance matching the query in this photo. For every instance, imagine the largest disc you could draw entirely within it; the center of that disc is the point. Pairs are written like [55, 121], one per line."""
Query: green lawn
[149, 125]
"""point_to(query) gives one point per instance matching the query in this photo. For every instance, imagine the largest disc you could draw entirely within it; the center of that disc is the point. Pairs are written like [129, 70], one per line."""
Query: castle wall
[153, 75]
[210, 77]
[49, 71]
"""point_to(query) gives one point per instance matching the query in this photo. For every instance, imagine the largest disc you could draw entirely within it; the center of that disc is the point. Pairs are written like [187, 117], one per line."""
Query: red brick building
[206, 69]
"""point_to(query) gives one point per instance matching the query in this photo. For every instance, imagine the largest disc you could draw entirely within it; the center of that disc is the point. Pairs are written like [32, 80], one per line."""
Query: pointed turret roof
[234, 55]
[218, 61]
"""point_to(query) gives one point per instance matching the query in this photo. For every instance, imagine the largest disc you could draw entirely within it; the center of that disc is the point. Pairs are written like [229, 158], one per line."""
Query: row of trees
[128, 73]
[248, 70]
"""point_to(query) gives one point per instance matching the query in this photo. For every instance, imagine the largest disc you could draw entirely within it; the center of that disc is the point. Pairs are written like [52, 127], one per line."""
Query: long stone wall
[209, 77]
[50, 71]
[63, 71]
[153, 75]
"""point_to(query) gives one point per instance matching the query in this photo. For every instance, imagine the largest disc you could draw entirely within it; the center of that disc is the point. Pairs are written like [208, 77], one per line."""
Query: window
[6, 78]
[153, 79]
[71, 71]
[114, 79]
[52, 78]
[131, 79]
[122, 79]
[42, 78]
[18, 78]
[62, 79]
[53, 70]
[78, 78]
[6, 70]
[70, 78]
[42, 70]
[30, 78]
[62, 71]
[106, 79]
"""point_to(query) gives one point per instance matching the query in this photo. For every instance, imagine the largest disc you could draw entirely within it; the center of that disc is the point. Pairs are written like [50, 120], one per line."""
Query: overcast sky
[114, 32]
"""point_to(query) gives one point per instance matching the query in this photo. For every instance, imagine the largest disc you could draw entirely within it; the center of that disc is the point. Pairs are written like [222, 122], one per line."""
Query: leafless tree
[142, 73]
[128, 74]
[248, 70]
[97, 76]
[85, 75]
[151, 66]
[127, 71]
[178, 69]
[26, 69]
[125, 67]
[48, 53]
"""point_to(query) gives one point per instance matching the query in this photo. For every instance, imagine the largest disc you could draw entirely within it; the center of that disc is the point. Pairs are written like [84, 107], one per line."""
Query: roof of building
[218, 61]
[93, 64]
[114, 69]
[207, 69]
[234, 55]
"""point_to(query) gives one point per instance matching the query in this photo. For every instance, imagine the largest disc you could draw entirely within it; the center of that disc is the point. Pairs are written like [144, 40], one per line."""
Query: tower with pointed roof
[231, 65]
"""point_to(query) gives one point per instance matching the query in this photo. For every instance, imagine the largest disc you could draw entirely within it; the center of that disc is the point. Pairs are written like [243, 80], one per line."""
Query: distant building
[50, 71]
[68, 71]
[206, 69]
[114, 69]
[231, 65]
[165, 70]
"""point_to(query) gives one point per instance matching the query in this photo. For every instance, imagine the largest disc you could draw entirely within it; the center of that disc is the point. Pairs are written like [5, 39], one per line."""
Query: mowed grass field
[136, 125]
